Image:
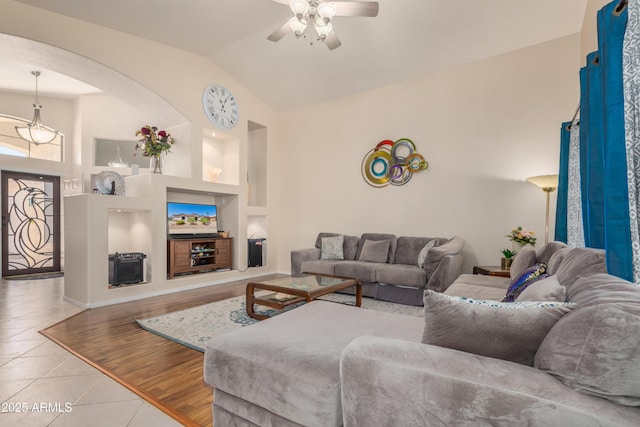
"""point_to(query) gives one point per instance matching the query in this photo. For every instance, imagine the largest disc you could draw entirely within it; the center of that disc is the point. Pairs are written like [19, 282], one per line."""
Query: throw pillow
[374, 251]
[547, 289]
[556, 260]
[422, 255]
[525, 258]
[525, 279]
[544, 253]
[596, 351]
[508, 331]
[578, 262]
[332, 247]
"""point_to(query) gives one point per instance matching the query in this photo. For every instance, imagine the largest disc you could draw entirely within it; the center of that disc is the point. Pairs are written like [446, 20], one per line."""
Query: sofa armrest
[443, 264]
[390, 382]
[299, 256]
[446, 272]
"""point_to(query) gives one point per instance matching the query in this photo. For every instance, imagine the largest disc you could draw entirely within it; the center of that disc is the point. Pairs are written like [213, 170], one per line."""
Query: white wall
[180, 82]
[483, 127]
[109, 58]
[589, 31]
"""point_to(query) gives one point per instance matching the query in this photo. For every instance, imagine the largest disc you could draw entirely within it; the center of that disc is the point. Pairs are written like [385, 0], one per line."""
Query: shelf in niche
[220, 158]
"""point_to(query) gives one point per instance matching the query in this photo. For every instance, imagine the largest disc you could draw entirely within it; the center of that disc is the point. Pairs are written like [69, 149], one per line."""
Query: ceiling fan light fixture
[325, 13]
[323, 31]
[300, 8]
[298, 26]
[35, 132]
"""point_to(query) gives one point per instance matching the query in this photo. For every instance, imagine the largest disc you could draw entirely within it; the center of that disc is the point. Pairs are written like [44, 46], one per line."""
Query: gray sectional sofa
[393, 274]
[327, 364]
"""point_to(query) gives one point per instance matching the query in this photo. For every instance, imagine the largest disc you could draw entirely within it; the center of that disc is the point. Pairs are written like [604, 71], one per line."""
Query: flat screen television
[186, 220]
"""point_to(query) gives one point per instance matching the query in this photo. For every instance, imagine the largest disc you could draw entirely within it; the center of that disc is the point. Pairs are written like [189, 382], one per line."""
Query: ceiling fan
[319, 13]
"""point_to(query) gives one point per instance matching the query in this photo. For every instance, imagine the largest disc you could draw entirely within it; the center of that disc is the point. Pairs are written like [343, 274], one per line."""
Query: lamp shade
[544, 181]
[323, 31]
[299, 8]
[35, 132]
[298, 27]
[325, 13]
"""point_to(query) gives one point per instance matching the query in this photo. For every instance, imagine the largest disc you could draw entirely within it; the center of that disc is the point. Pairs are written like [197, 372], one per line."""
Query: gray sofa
[326, 364]
[398, 278]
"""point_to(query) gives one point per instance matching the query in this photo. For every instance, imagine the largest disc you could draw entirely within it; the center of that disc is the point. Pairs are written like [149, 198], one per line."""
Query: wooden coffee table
[292, 290]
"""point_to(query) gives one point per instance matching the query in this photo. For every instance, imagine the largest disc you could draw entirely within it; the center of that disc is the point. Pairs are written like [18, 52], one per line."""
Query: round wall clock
[220, 106]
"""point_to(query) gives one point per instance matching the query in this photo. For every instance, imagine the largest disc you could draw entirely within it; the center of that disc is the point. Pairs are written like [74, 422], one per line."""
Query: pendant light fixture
[35, 132]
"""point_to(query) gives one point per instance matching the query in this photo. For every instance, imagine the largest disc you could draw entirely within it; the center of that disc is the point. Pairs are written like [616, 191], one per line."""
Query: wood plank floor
[165, 373]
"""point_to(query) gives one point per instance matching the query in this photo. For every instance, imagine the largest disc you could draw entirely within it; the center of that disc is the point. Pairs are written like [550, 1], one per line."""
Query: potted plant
[507, 258]
[520, 236]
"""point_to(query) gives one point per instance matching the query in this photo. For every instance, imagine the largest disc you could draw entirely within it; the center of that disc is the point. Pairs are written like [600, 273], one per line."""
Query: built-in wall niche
[129, 232]
[220, 157]
[226, 204]
[257, 164]
[117, 153]
[257, 239]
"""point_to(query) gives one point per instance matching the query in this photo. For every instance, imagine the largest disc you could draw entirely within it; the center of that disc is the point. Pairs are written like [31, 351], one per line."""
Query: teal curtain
[612, 22]
[561, 234]
[592, 151]
[603, 178]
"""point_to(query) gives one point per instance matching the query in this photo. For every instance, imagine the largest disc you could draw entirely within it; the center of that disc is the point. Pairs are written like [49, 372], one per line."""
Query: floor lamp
[548, 183]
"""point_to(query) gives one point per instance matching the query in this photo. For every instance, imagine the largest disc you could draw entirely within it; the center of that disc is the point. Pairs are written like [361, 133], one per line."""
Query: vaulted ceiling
[408, 38]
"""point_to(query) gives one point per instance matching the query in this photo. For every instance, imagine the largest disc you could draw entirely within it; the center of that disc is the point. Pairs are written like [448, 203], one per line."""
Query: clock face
[220, 106]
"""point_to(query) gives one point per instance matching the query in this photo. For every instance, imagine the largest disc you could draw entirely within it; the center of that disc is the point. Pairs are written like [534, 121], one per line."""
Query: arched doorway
[42, 56]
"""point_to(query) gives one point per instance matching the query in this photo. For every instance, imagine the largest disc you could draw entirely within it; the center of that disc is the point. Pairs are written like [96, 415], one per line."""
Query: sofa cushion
[296, 372]
[596, 348]
[387, 382]
[376, 237]
[545, 252]
[547, 289]
[401, 275]
[501, 283]
[363, 271]
[332, 247]
[524, 280]
[594, 289]
[320, 266]
[459, 289]
[408, 249]
[374, 251]
[525, 258]
[508, 331]
[580, 261]
[350, 246]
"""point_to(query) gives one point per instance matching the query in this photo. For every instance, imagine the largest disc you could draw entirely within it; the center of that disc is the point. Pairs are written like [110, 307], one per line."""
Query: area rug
[193, 327]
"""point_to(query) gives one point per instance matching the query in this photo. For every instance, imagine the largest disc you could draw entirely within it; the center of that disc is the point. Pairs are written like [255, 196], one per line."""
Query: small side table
[491, 271]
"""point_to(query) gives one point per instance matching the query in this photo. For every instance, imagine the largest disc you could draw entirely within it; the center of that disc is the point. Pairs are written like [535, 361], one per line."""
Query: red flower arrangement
[153, 142]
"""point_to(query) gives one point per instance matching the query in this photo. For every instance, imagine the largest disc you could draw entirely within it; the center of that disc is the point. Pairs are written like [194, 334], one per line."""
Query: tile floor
[41, 384]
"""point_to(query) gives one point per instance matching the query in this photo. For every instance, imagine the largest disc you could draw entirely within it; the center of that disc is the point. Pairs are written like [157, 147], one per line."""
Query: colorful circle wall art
[392, 163]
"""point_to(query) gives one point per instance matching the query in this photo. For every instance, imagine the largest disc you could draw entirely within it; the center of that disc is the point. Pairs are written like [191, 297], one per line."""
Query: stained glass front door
[30, 223]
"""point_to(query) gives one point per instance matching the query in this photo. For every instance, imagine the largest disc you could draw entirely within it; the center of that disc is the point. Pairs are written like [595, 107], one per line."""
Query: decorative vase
[155, 163]
[516, 246]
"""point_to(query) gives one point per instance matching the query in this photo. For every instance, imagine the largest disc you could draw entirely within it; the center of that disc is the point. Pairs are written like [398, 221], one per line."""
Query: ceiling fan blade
[332, 41]
[280, 32]
[356, 8]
